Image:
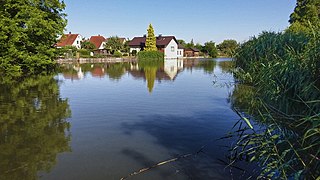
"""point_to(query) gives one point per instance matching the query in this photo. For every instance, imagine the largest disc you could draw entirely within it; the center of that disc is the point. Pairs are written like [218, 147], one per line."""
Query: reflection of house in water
[190, 63]
[97, 72]
[167, 72]
[172, 66]
[75, 73]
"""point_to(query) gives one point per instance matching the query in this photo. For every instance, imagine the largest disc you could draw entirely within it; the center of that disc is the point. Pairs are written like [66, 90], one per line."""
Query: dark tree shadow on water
[182, 135]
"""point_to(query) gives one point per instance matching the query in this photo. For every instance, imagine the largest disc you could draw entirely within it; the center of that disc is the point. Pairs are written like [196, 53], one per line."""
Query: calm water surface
[105, 121]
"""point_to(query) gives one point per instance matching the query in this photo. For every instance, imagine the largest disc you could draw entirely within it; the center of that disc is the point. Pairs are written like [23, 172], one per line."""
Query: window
[172, 48]
[77, 42]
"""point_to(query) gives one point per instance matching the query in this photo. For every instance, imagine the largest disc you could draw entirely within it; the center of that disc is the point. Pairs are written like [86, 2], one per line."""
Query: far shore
[111, 59]
[97, 60]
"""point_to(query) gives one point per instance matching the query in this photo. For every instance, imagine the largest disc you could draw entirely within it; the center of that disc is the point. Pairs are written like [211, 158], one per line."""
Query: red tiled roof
[67, 40]
[162, 41]
[97, 40]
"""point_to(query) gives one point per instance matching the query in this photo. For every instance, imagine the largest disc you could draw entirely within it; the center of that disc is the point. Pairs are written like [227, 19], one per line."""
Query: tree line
[226, 48]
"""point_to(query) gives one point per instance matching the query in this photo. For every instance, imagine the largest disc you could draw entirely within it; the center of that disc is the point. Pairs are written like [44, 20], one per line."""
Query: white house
[70, 40]
[166, 44]
[98, 41]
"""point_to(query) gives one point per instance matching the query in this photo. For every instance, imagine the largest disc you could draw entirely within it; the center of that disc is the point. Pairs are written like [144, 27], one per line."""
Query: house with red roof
[98, 41]
[166, 44]
[70, 40]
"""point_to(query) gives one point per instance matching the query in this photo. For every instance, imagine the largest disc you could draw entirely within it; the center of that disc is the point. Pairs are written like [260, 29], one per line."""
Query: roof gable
[67, 40]
[97, 40]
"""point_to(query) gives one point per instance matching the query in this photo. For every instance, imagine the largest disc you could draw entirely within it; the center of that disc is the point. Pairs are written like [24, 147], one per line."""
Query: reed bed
[284, 71]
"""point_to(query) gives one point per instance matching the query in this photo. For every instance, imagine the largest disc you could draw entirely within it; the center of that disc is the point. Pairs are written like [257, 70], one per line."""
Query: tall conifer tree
[151, 40]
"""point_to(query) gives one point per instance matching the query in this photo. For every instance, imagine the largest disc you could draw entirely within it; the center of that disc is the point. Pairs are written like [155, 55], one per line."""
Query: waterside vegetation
[282, 71]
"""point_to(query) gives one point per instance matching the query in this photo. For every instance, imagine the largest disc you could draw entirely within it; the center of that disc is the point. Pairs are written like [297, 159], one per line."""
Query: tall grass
[284, 69]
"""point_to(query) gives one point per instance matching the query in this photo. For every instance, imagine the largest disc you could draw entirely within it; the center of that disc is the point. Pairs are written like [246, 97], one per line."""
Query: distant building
[70, 40]
[191, 52]
[166, 44]
[98, 41]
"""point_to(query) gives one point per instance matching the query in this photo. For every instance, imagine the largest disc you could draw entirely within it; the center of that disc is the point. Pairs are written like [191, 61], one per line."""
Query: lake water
[106, 121]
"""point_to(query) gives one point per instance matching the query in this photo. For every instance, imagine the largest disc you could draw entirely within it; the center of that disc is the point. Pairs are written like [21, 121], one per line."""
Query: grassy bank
[284, 71]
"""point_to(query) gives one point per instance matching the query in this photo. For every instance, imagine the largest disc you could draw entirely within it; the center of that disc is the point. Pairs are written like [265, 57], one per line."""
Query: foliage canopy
[306, 16]
[228, 47]
[114, 44]
[28, 31]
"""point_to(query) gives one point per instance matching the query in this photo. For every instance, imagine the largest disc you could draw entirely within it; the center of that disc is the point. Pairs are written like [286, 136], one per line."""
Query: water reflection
[166, 70]
[33, 127]
[118, 128]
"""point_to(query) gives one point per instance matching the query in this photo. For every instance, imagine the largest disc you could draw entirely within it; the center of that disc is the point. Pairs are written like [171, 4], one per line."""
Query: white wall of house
[137, 49]
[77, 42]
[102, 45]
[180, 53]
[171, 50]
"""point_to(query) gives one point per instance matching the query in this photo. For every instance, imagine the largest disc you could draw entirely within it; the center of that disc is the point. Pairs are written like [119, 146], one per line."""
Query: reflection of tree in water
[150, 68]
[226, 66]
[208, 66]
[116, 70]
[150, 73]
[33, 127]
[244, 98]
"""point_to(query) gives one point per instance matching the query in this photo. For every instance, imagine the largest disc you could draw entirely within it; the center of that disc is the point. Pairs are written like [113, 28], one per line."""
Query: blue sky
[200, 20]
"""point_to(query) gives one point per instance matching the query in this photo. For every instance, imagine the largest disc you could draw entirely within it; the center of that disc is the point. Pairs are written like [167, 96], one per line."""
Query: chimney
[70, 32]
[144, 35]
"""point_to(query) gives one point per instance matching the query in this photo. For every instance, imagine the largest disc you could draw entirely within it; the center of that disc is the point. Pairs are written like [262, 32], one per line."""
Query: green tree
[126, 47]
[228, 47]
[88, 45]
[210, 49]
[182, 42]
[28, 31]
[190, 45]
[114, 44]
[151, 40]
[306, 13]
[200, 47]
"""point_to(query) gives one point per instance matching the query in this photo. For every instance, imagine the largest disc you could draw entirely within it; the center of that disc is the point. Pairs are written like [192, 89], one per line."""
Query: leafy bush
[117, 54]
[150, 55]
[84, 53]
